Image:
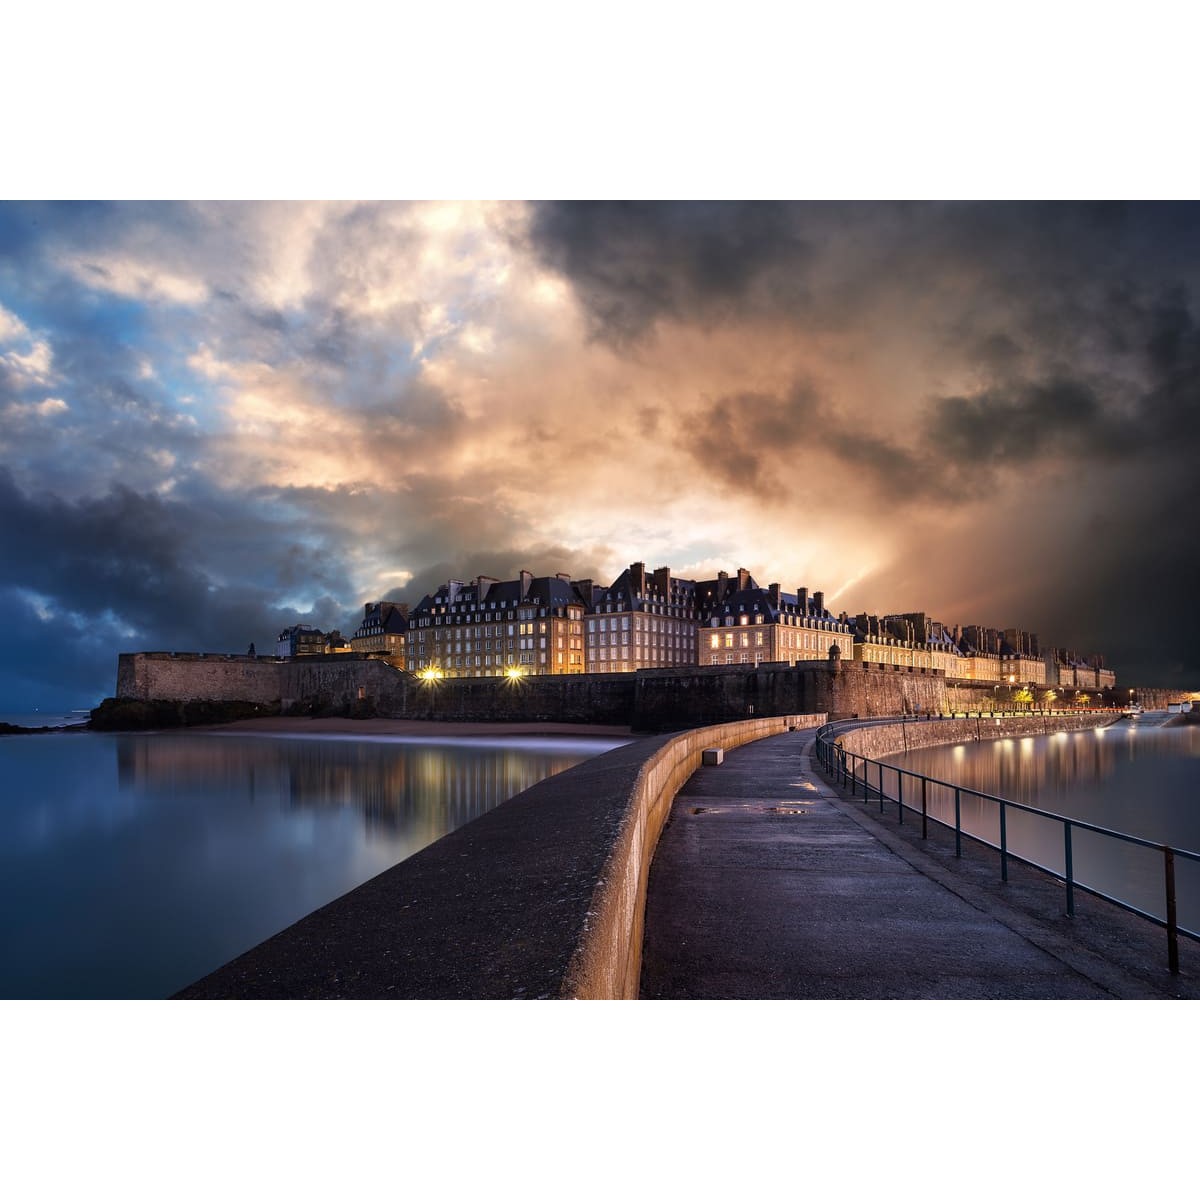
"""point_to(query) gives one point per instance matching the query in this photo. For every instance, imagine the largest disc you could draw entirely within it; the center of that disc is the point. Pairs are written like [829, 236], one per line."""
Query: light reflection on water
[132, 864]
[1143, 781]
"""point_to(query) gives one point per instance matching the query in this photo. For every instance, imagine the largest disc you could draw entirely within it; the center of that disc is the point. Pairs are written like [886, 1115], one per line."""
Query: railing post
[1172, 919]
[900, 793]
[924, 807]
[1003, 845]
[881, 787]
[853, 775]
[1068, 869]
[958, 823]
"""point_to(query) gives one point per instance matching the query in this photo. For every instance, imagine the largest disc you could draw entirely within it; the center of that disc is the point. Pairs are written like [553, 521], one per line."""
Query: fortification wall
[679, 699]
[162, 675]
[876, 741]
[663, 701]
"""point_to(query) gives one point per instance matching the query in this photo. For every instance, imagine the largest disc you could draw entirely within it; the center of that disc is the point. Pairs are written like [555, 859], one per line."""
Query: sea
[49, 717]
[132, 864]
[1134, 778]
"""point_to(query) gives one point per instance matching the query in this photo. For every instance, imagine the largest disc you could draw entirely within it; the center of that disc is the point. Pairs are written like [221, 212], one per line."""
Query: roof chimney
[526, 581]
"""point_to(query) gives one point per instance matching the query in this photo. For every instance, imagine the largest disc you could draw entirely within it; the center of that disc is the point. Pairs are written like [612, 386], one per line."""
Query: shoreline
[396, 727]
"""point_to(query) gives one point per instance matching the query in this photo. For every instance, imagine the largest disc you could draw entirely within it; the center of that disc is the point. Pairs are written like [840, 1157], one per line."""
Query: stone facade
[169, 676]
[649, 700]
[641, 620]
[754, 625]
[523, 627]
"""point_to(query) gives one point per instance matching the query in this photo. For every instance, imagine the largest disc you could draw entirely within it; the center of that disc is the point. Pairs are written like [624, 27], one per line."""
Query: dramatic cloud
[217, 419]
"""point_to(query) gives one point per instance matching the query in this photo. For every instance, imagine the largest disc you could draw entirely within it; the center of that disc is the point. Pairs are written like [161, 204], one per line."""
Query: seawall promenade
[543, 896]
[770, 882]
[642, 872]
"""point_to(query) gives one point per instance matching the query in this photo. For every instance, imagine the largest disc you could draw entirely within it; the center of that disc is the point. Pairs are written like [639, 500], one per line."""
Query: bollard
[1003, 844]
[1068, 870]
[1172, 919]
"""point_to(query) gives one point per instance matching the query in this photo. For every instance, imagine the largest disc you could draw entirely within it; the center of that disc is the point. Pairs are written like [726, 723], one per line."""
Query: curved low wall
[542, 897]
[608, 961]
[876, 741]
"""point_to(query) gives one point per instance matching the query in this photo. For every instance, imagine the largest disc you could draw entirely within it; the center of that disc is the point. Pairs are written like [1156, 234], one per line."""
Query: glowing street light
[514, 674]
[431, 674]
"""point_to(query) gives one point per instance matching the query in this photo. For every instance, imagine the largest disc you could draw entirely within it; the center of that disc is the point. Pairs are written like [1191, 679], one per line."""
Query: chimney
[743, 579]
[483, 585]
[819, 603]
[585, 587]
[722, 585]
[637, 578]
[526, 581]
[563, 576]
[802, 601]
[776, 595]
[662, 582]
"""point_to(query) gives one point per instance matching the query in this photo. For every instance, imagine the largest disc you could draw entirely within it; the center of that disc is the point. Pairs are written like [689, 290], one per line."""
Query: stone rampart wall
[679, 699]
[166, 676]
[876, 741]
[655, 701]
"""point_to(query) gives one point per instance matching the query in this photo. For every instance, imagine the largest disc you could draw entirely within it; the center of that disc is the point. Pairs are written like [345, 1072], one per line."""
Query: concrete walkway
[768, 885]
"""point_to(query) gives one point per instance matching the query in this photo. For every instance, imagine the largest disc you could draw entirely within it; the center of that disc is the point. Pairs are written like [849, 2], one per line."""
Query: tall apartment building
[1020, 659]
[1069, 669]
[524, 626]
[904, 640]
[297, 641]
[752, 624]
[384, 631]
[939, 650]
[640, 620]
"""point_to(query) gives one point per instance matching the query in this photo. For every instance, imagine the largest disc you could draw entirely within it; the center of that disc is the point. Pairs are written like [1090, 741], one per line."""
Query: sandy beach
[384, 727]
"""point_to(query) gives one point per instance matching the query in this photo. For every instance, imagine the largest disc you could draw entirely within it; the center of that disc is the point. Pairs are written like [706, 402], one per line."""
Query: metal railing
[854, 770]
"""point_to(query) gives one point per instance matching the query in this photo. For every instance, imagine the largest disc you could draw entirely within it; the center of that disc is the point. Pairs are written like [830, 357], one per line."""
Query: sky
[218, 419]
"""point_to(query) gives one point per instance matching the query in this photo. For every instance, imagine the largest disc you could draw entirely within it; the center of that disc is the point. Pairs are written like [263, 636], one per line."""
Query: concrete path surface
[768, 885]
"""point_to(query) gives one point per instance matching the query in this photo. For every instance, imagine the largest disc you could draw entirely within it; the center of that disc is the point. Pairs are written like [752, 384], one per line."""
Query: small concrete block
[712, 757]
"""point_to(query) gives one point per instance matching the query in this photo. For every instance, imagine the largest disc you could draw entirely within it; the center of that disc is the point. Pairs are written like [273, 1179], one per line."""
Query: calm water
[132, 864]
[1136, 779]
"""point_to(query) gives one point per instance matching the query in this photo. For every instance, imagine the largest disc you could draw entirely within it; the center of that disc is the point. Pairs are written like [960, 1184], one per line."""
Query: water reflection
[1140, 781]
[131, 864]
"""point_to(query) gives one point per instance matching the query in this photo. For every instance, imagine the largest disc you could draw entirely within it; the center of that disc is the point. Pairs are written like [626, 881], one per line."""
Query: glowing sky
[219, 419]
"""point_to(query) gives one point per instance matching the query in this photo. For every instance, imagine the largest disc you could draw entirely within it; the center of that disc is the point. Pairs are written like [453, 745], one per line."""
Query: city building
[524, 626]
[298, 640]
[1069, 669]
[752, 624]
[383, 632]
[640, 620]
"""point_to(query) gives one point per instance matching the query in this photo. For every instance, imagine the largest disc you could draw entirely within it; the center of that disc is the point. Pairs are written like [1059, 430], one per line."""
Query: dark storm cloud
[633, 263]
[129, 571]
[776, 447]
[1063, 417]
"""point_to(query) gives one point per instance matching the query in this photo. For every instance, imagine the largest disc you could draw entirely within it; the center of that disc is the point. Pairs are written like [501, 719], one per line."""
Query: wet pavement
[768, 884]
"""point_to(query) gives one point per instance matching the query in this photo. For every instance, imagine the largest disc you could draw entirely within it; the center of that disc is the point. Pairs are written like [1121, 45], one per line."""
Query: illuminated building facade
[524, 626]
[751, 624]
[640, 620]
[297, 641]
[384, 631]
